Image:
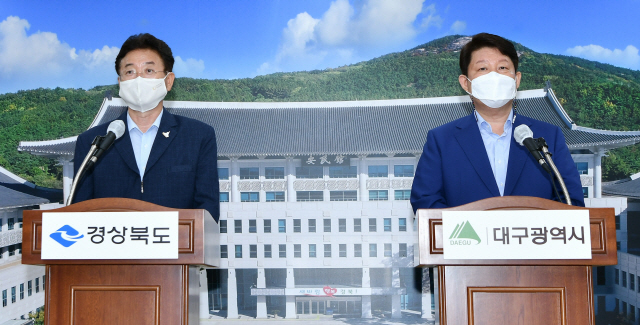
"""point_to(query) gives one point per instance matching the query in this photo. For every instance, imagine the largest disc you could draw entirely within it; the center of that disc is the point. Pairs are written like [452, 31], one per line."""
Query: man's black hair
[146, 41]
[483, 40]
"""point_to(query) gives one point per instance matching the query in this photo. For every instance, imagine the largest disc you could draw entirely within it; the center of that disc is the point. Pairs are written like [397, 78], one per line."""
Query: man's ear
[464, 83]
[168, 81]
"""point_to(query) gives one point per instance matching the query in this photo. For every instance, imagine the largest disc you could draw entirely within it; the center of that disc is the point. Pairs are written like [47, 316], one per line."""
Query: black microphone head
[522, 132]
[117, 127]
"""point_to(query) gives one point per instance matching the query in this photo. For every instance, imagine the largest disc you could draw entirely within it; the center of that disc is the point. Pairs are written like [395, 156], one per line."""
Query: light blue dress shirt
[497, 147]
[142, 142]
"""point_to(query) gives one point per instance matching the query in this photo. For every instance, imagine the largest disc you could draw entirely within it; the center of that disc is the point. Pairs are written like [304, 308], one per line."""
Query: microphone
[99, 145]
[524, 136]
[114, 132]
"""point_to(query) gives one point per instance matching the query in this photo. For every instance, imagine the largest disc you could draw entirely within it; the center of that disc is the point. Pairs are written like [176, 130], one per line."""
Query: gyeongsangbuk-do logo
[66, 236]
[464, 234]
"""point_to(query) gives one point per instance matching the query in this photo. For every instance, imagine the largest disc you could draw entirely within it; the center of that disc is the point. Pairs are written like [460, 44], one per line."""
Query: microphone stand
[82, 170]
[545, 150]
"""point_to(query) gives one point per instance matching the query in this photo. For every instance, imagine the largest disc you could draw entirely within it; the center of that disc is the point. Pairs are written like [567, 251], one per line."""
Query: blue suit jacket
[454, 168]
[181, 173]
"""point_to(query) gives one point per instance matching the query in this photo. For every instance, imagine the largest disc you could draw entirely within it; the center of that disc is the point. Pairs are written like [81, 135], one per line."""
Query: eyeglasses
[145, 73]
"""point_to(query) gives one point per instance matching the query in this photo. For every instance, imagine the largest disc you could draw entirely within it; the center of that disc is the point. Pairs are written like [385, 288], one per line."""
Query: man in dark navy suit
[162, 158]
[476, 157]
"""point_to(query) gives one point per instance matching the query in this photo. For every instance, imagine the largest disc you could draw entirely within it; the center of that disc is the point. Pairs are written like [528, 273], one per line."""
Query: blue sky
[72, 44]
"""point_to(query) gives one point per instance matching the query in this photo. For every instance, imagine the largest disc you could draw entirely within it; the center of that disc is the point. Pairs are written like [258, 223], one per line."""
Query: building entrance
[343, 306]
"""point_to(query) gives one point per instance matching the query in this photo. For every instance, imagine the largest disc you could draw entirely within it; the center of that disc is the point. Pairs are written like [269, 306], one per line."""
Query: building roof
[396, 126]
[629, 187]
[17, 192]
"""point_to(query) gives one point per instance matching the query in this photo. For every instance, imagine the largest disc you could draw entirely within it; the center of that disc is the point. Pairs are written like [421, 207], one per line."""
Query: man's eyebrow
[150, 62]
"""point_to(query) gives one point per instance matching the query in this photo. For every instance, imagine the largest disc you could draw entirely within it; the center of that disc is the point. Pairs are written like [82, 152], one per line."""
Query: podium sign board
[516, 234]
[110, 235]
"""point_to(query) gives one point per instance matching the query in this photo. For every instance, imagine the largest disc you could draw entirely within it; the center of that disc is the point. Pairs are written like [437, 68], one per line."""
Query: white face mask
[493, 89]
[143, 94]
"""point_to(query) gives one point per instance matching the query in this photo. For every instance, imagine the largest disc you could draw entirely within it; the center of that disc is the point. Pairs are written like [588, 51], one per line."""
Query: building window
[29, 288]
[250, 173]
[373, 250]
[297, 225]
[37, 285]
[305, 196]
[312, 250]
[223, 173]
[343, 195]
[583, 168]
[238, 251]
[282, 225]
[253, 251]
[253, 228]
[357, 250]
[267, 226]
[327, 250]
[21, 291]
[249, 196]
[379, 171]
[601, 278]
[267, 251]
[343, 172]
[224, 196]
[585, 192]
[4, 298]
[309, 172]
[342, 225]
[357, 225]
[402, 195]
[13, 295]
[327, 225]
[237, 226]
[372, 225]
[387, 250]
[378, 195]
[616, 278]
[282, 250]
[275, 196]
[403, 170]
[223, 253]
[12, 250]
[632, 281]
[402, 250]
[624, 279]
[402, 224]
[223, 226]
[297, 250]
[342, 250]
[387, 224]
[274, 172]
[10, 223]
[312, 225]
[617, 222]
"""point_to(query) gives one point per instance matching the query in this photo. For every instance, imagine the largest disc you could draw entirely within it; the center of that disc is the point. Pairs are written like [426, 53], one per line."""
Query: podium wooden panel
[532, 292]
[154, 292]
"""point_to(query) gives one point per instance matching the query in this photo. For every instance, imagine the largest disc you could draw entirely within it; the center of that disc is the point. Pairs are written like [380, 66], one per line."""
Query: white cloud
[458, 27]
[40, 59]
[343, 31]
[191, 68]
[627, 58]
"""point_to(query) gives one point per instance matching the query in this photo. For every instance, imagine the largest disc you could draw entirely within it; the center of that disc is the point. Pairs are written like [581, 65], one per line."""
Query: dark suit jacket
[454, 168]
[181, 173]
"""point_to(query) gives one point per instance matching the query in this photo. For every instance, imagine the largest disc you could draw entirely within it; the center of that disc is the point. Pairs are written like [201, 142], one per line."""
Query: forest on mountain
[594, 94]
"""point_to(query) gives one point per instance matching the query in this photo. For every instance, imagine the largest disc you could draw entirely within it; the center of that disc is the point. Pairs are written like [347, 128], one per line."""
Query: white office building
[315, 219]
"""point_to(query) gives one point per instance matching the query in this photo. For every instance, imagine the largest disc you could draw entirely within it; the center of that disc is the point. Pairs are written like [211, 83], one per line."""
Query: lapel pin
[166, 134]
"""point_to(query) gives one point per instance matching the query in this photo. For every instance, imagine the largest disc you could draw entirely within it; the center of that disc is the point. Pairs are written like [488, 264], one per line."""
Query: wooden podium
[154, 292]
[531, 292]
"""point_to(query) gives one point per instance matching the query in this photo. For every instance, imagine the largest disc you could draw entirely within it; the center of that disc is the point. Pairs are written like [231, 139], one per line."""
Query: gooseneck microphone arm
[82, 170]
[547, 155]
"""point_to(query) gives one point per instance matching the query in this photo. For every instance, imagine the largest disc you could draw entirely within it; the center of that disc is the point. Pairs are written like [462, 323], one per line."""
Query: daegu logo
[464, 234]
[66, 236]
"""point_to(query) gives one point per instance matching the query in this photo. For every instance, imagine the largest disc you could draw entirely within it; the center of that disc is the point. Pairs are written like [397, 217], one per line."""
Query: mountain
[594, 94]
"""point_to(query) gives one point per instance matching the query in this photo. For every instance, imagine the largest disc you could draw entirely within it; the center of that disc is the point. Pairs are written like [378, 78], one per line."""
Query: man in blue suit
[162, 158]
[476, 157]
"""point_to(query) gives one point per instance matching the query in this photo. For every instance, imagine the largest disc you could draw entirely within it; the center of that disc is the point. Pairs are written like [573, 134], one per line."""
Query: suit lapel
[166, 133]
[468, 136]
[518, 156]
[124, 148]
